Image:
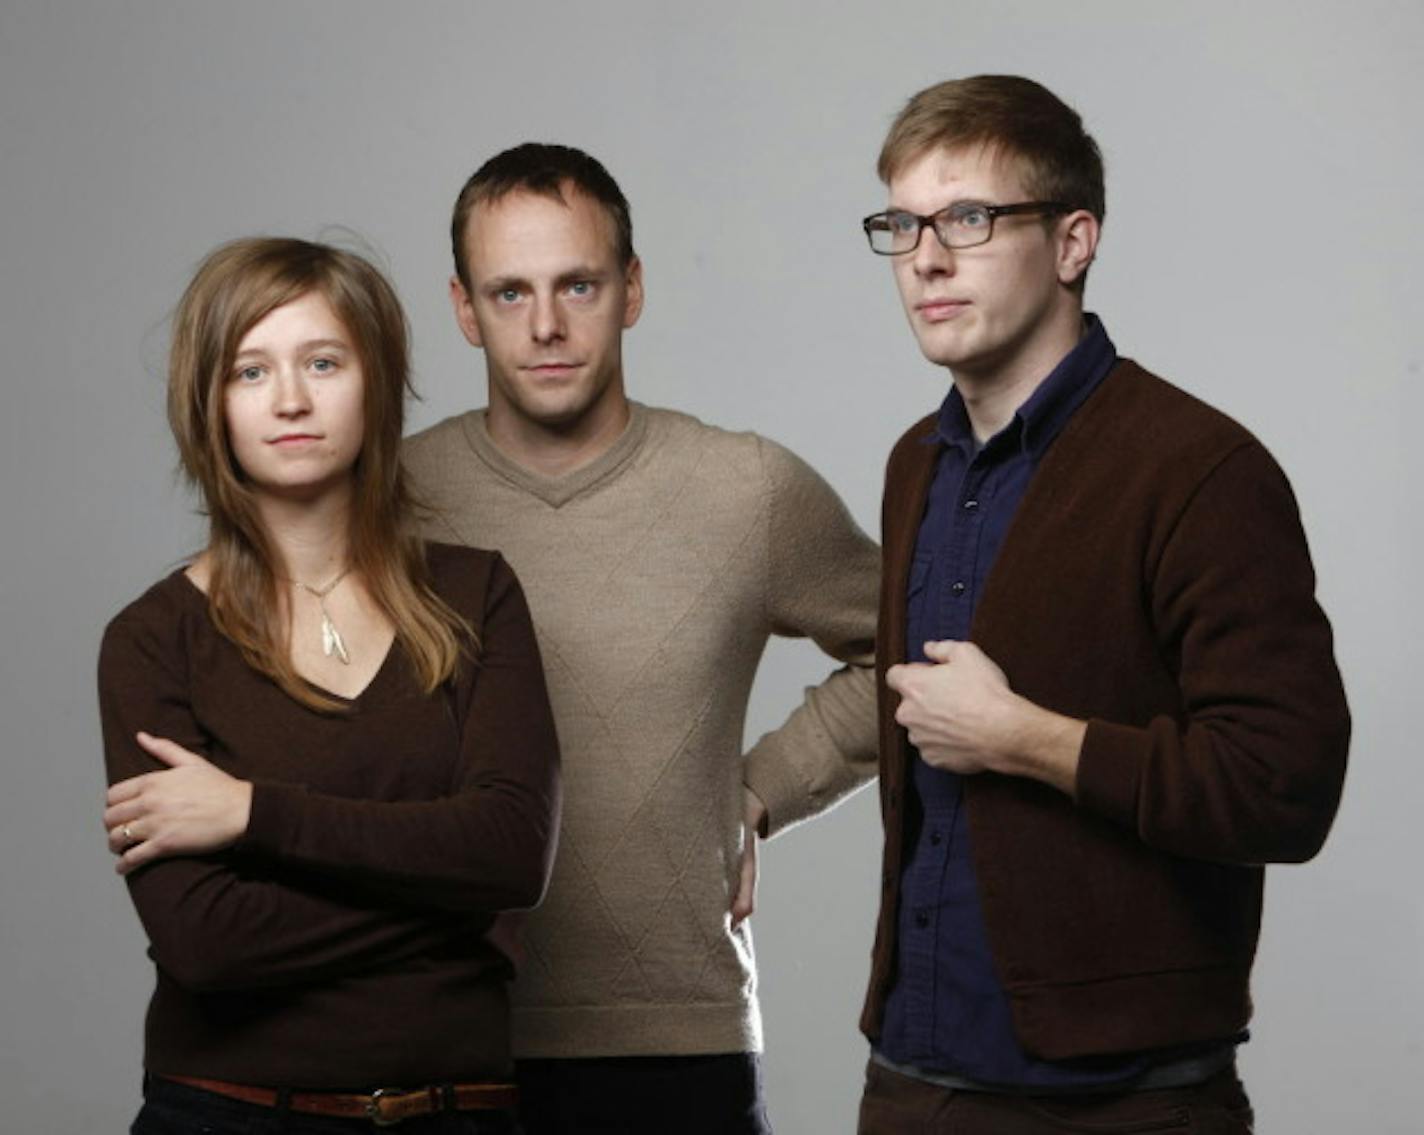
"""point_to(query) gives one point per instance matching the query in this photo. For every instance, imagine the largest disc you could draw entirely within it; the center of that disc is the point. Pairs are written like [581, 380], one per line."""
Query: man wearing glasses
[1107, 692]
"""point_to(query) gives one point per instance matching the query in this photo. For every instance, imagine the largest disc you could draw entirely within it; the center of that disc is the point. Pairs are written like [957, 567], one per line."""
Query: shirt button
[922, 919]
[958, 587]
[970, 505]
[935, 838]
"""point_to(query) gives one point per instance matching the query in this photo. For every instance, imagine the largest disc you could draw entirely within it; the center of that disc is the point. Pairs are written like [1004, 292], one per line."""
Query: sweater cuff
[769, 774]
[273, 819]
[1110, 771]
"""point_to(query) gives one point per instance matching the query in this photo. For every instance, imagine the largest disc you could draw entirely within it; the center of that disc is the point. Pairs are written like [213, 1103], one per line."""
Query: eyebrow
[577, 272]
[893, 208]
[302, 348]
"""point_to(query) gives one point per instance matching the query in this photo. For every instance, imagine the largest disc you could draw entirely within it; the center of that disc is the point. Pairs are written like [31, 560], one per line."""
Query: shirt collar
[1038, 421]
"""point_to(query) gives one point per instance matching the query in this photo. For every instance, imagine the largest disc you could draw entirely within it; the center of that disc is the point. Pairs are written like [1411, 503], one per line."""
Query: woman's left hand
[190, 808]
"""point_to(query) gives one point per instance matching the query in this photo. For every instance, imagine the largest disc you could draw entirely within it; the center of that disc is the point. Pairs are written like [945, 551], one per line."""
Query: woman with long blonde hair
[332, 760]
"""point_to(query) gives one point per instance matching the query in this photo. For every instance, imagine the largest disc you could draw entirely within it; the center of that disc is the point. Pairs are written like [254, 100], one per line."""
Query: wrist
[1041, 745]
[241, 811]
[756, 813]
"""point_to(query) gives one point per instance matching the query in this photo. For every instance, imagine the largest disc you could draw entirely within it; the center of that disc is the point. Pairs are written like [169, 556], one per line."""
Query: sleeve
[489, 844]
[822, 582]
[1253, 769]
[211, 923]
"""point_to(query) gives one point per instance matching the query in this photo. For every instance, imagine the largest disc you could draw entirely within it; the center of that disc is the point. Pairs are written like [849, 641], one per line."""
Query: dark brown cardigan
[1155, 582]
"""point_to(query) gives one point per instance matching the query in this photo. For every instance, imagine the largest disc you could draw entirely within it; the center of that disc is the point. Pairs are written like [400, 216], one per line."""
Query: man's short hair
[542, 168]
[1012, 116]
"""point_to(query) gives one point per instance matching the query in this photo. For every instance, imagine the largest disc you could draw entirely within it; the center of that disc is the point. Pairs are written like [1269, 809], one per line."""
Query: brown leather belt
[384, 1107]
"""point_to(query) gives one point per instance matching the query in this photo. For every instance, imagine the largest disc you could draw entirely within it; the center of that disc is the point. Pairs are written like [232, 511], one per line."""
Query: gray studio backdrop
[1262, 249]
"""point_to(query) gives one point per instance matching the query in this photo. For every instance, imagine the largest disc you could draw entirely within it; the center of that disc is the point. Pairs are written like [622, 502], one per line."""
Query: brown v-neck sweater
[656, 574]
[351, 940]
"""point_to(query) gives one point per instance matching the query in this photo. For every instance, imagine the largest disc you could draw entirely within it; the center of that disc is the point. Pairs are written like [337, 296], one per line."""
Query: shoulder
[453, 567]
[1143, 454]
[694, 436]
[724, 467]
[156, 626]
[437, 442]
[1136, 415]
[742, 451]
[469, 579]
[688, 433]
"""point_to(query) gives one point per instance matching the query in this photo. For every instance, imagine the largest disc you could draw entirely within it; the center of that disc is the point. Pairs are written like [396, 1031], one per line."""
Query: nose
[546, 319]
[930, 257]
[290, 396]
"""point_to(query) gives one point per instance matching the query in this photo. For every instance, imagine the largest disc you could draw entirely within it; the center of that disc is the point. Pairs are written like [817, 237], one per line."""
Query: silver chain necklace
[331, 640]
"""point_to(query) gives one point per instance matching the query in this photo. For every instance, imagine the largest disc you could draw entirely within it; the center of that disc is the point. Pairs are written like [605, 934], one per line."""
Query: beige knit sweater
[655, 575]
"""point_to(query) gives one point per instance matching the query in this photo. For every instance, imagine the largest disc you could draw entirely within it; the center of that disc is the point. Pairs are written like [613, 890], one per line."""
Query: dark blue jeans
[643, 1095]
[176, 1109]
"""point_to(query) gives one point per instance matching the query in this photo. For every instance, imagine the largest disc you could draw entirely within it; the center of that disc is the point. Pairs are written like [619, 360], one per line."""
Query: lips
[293, 439]
[551, 369]
[938, 310]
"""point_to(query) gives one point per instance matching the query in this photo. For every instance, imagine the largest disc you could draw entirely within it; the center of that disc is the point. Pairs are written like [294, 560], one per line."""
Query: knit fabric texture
[655, 575]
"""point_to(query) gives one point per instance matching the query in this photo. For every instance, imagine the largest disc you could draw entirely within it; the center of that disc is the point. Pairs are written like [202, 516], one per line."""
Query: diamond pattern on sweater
[646, 573]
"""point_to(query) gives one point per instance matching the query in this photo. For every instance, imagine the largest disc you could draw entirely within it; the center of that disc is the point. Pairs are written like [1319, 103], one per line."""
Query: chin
[942, 346]
[943, 356]
[555, 414]
[560, 407]
[960, 353]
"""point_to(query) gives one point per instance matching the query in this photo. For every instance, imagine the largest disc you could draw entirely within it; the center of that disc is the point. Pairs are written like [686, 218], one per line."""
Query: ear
[633, 292]
[465, 312]
[1077, 245]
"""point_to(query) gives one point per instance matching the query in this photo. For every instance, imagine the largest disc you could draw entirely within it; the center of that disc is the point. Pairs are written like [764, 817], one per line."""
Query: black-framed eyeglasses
[962, 225]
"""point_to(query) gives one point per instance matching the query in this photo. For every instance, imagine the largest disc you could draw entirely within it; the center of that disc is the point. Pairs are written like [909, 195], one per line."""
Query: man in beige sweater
[658, 555]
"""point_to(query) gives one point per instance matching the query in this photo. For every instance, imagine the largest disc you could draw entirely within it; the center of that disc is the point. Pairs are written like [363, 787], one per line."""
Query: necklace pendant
[331, 642]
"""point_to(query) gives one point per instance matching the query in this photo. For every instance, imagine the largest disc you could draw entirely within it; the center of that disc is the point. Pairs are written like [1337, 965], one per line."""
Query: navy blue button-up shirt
[948, 1012]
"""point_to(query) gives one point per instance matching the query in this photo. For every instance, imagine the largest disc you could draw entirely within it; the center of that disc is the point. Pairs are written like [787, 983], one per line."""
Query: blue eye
[902, 223]
[506, 295]
[249, 374]
[581, 288]
[969, 216]
[323, 366]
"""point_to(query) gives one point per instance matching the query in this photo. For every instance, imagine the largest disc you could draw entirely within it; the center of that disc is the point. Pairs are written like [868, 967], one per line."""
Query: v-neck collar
[200, 597]
[558, 491]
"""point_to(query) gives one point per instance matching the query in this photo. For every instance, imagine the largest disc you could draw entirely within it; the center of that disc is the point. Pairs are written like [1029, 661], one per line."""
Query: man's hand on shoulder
[963, 717]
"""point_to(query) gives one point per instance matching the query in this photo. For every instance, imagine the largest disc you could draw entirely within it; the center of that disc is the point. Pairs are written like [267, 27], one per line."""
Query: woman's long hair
[234, 288]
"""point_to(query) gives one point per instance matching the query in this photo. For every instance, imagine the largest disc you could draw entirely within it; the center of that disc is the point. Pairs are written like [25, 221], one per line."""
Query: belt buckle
[373, 1107]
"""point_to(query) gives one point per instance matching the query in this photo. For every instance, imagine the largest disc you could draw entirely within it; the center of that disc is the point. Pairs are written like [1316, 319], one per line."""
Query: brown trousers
[901, 1105]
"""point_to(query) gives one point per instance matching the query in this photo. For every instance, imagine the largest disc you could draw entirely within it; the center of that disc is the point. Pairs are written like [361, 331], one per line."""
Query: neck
[994, 392]
[310, 538]
[552, 450]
